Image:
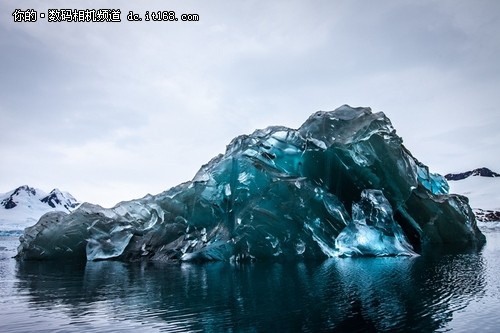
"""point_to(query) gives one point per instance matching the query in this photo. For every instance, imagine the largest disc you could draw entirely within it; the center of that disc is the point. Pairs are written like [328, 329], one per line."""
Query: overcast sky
[113, 111]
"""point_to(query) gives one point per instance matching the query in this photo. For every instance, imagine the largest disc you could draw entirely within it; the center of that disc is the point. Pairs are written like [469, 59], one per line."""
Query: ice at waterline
[342, 184]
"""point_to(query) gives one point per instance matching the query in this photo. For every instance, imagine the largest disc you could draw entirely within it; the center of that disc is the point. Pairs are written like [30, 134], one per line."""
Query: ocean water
[435, 292]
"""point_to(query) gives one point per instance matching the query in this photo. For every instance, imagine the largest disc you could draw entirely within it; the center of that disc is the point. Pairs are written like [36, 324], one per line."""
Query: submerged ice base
[340, 185]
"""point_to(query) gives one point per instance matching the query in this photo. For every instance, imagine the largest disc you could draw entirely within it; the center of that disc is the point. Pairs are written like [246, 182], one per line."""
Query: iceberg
[342, 184]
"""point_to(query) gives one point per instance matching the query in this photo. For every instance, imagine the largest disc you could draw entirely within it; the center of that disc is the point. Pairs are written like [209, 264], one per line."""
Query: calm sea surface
[433, 292]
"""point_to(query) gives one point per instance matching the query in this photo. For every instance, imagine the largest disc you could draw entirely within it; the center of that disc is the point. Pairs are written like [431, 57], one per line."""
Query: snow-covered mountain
[483, 172]
[23, 206]
[482, 187]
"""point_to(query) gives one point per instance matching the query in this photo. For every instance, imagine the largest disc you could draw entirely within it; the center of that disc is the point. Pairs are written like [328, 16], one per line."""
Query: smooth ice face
[373, 231]
[277, 193]
[434, 182]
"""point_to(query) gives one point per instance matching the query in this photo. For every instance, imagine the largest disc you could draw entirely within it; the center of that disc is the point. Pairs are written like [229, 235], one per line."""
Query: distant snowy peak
[22, 194]
[29, 197]
[25, 205]
[57, 198]
[482, 172]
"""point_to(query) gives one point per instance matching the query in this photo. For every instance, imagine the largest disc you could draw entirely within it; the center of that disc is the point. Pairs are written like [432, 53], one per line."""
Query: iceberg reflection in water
[351, 294]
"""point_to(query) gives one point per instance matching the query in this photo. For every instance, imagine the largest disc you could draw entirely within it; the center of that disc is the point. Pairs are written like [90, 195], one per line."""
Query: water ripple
[432, 292]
